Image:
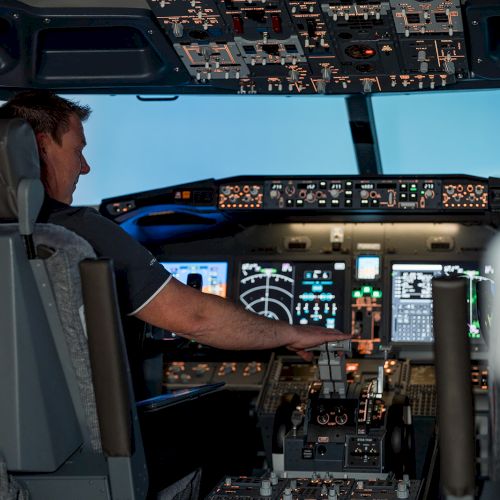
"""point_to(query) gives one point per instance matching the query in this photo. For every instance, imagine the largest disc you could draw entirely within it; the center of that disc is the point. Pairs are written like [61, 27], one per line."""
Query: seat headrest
[21, 191]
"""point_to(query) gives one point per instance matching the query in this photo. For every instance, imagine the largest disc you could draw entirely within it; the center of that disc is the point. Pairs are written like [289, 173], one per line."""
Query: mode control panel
[392, 194]
[382, 194]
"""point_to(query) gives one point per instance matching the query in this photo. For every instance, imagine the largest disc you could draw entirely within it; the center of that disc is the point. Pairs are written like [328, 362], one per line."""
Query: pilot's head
[57, 123]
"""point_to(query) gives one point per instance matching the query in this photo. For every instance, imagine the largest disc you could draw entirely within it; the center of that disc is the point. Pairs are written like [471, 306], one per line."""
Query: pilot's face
[62, 164]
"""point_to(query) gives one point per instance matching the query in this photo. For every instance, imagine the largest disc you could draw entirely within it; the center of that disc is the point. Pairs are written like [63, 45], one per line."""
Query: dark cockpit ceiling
[273, 47]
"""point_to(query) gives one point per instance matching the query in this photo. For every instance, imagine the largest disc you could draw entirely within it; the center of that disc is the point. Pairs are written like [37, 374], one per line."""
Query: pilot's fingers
[336, 335]
[306, 355]
[307, 339]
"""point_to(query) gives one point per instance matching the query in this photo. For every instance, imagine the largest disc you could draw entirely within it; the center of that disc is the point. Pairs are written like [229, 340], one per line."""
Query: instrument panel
[371, 277]
[383, 300]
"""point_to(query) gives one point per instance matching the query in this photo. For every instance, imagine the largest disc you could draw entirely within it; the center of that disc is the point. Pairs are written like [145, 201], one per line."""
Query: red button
[276, 21]
[237, 24]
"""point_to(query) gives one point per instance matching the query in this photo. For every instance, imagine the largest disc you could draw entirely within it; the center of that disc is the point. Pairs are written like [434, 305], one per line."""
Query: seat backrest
[32, 376]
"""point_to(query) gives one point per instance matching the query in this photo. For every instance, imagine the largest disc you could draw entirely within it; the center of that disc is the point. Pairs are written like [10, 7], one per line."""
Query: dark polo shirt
[139, 276]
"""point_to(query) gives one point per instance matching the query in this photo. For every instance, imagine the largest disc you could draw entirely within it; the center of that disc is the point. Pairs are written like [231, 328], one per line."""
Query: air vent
[440, 243]
[440, 246]
[297, 243]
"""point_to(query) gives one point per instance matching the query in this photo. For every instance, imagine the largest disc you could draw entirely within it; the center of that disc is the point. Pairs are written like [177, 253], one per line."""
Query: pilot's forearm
[219, 323]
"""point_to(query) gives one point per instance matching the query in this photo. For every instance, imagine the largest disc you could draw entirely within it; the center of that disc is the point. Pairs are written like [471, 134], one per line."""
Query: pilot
[146, 289]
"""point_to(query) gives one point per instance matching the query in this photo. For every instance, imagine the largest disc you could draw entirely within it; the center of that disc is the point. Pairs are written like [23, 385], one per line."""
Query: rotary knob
[332, 494]
[341, 419]
[402, 490]
[310, 197]
[265, 488]
[323, 418]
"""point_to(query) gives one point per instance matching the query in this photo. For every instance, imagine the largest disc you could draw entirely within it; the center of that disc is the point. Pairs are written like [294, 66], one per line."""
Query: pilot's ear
[42, 139]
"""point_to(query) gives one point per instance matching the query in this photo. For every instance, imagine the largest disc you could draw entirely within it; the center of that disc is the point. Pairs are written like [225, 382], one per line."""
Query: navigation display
[213, 274]
[411, 319]
[300, 293]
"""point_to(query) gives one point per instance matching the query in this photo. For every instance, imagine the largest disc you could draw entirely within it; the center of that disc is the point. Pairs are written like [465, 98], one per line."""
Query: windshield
[439, 132]
[135, 146]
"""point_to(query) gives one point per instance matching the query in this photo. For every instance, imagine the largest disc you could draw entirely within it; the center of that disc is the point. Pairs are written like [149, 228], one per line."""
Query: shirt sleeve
[139, 276]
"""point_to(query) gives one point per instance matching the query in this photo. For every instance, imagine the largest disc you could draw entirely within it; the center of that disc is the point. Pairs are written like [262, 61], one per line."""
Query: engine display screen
[411, 319]
[300, 293]
[367, 267]
[213, 274]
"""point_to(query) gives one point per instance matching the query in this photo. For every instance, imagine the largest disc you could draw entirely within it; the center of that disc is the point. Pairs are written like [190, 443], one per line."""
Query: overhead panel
[317, 47]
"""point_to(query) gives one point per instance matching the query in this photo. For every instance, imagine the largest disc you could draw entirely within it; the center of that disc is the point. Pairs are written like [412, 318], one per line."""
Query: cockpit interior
[325, 163]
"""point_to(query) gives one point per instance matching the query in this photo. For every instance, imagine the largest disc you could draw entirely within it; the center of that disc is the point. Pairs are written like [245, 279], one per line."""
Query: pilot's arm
[217, 322]
[146, 290]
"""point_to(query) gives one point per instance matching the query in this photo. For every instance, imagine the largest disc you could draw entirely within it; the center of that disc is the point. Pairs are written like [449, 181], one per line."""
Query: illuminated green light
[367, 290]
[377, 294]
[422, 192]
[413, 188]
[356, 294]
[268, 270]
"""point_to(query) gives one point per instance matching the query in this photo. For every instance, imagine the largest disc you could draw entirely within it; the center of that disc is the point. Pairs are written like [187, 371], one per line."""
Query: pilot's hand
[306, 337]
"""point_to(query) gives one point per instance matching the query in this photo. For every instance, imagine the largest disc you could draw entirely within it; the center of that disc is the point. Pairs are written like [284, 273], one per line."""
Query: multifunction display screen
[213, 274]
[300, 293]
[412, 298]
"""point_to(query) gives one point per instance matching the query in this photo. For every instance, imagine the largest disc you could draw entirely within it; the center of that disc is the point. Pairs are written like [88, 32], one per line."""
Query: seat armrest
[108, 358]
